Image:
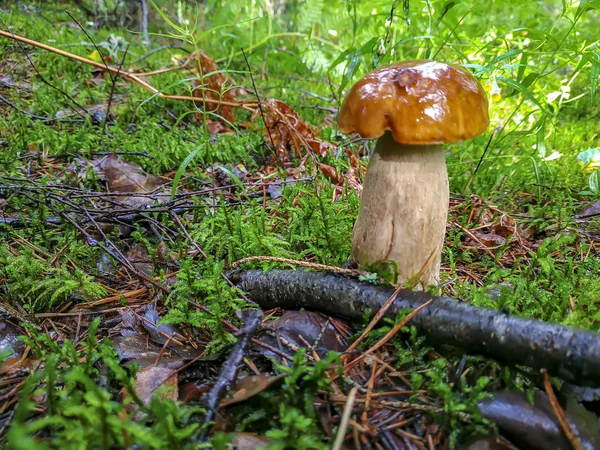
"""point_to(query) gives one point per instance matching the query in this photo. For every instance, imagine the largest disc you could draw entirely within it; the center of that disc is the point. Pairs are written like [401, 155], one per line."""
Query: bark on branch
[569, 353]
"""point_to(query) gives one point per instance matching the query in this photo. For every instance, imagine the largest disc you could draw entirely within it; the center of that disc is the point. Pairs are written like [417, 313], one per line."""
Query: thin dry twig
[375, 320]
[390, 334]
[127, 75]
[295, 262]
[341, 434]
[560, 415]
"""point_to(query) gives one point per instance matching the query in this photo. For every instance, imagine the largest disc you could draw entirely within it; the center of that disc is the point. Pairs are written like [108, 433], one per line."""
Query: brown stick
[127, 75]
[559, 413]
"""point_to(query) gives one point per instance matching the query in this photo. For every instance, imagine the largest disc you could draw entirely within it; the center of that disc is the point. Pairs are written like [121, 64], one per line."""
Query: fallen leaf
[287, 130]
[149, 379]
[329, 172]
[122, 177]
[296, 328]
[491, 239]
[159, 333]
[275, 189]
[249, 441]
[214, 84]
[250, 386]
[193, 390]
[590, 212]
[136, 348]
[139, 258]
[11, 367]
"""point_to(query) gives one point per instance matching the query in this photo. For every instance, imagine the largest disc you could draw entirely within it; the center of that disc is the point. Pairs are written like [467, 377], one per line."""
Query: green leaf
[523, 90]
[186, 162]
[594, 74]
[504, 56]
[588, 5]
[447, 7]
[594, 183]
[530, 79]
[522, 66]
[353, 57]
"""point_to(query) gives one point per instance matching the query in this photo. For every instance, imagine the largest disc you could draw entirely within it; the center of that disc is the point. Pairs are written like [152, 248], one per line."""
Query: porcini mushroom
[413, 107]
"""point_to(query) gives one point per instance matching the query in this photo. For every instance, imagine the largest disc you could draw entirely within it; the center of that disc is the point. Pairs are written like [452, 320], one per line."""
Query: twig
[127, 75]
[27, 113]
[33, 66]
[91, 241]
[113, 78]
[93, 43]
[375, 320]
[389, 335]
[476, 239]
[112, 92]
[230, 368]
[262, 113]
[341, 434]
[560, 415]
[295, 262]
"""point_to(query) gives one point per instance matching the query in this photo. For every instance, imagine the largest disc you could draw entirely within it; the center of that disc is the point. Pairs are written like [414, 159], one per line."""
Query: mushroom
[413, 107]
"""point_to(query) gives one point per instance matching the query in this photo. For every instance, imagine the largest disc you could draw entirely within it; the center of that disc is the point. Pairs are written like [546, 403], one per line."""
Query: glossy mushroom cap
[420, 102]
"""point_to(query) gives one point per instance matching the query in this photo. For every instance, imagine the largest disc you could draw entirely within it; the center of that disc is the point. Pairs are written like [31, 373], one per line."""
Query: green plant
[461, 415]
[38, 286]
[287, 416]
[551, 286]
[83, 409]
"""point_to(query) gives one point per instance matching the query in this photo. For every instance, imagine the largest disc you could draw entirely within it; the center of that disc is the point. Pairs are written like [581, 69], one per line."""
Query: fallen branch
[231, 366]
[123, 73]
[569, 353]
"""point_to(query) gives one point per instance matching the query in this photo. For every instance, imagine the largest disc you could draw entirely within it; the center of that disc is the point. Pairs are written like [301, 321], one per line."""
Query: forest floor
[125, 205]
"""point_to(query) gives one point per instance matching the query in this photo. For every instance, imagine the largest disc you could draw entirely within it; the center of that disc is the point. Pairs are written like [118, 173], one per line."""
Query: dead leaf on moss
[124, 176]
[249, 441]
[288, 131]
[250, 386]
[11, 367]
[491, 239]
[214, 84]
[149, 379]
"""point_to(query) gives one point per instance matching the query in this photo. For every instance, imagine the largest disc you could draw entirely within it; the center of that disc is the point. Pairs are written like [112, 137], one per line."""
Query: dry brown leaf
[353, 158]
[329, 172]
[139, 258]
[287, 130]
[214, 84]
[247, 387]
[249, 441]
[150, 379]
[491, 239]
[11, 367]
[193, 390]
[125, 176]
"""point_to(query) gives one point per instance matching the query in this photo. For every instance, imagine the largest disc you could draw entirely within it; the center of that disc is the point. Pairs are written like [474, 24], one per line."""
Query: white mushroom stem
[403, 210]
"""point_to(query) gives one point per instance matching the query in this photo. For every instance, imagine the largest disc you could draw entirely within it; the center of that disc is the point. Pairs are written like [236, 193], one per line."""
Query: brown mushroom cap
[421, 102]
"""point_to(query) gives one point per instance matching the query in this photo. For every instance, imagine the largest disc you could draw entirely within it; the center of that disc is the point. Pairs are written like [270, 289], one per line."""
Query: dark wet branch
[230, 368]
[569, 353]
